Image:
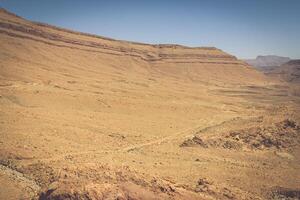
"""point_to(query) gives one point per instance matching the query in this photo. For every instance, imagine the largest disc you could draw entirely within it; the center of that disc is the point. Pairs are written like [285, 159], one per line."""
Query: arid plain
[87, 117]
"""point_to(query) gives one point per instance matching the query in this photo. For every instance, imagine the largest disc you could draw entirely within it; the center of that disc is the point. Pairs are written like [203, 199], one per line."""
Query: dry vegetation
[85, 117]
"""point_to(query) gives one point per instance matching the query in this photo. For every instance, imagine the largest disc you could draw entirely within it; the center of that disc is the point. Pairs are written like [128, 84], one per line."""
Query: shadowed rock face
[289, 72]
[285, 193]
[88, 117]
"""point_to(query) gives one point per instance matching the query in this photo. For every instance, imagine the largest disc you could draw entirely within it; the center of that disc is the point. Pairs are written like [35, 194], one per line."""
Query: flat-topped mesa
[15, 26]
[194, 63]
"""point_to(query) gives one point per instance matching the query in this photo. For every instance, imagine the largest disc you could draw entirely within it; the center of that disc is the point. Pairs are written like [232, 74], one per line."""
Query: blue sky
[245, 28]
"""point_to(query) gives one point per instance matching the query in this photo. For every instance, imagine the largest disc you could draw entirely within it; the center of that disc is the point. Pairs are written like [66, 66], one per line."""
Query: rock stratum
[159, 59]
[88, 117]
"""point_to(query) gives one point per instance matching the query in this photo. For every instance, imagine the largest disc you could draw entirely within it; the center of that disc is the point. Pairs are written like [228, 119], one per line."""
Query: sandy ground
[80, 120]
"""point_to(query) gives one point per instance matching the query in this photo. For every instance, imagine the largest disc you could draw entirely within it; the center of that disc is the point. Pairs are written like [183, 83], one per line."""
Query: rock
[195, 141]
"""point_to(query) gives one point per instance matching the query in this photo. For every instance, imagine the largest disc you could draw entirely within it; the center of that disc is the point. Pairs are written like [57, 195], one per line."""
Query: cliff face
[20, 37]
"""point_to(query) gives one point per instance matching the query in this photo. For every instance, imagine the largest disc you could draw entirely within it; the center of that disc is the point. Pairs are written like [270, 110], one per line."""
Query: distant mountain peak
[268, 61]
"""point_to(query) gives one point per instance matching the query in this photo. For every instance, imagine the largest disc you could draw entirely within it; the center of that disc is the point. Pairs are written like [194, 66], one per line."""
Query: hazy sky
[245, 28]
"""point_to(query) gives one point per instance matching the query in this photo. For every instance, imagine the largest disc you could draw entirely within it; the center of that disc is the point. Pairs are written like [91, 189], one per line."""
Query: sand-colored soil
[86, 117]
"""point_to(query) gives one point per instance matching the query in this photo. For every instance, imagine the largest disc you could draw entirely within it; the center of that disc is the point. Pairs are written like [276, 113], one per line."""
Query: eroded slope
[88, 117]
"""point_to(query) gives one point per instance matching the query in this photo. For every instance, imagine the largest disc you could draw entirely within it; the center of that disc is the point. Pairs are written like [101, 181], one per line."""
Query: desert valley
[88, 117]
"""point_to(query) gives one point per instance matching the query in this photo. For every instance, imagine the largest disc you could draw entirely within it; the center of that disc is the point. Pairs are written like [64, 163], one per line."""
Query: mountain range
[267, 62]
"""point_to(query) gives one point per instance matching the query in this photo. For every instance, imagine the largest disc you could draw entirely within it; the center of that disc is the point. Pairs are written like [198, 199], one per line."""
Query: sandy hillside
[87, 117]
